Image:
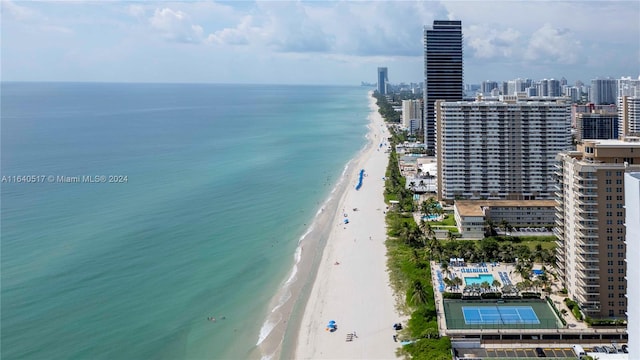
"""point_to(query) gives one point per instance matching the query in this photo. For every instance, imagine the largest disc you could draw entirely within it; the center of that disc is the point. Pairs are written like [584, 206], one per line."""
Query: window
[620, 231]
[619, 213]
[609, 238]
[608, 173]
[620, 271]
[610, 287]
[620, 222]
[621, 295]
[618, 173]
[620, 278]
[611, 313]
[609, 246]
[609, 231]
[620, 246]
[619, 181]
[620, 303]
[610, 263]
[620, 254]
[608, 182]
[619, 197]
[620, 262]
[609, 271]
[607, 189]
[609, 254]
[621, 287]
[611, 303]
[619, 190]
[610, 296]
[608, 197]
[621, 312]
[609, 222]
[609, 206]
[610, 278]
[609, 213]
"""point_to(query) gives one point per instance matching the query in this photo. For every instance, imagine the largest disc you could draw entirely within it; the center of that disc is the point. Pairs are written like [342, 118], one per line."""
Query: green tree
[418, 294]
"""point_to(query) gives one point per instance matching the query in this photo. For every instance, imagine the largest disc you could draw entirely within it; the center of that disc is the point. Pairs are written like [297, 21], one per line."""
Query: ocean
[133, 213]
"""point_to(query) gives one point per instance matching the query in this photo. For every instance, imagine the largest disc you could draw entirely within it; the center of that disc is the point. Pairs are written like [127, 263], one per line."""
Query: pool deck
[573, 325]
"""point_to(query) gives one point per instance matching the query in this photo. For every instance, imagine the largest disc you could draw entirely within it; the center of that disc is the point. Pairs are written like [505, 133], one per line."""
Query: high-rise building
[629, 116]
[487, 86]
[443, 73]
[500, 149]
[596, 125]
[411, 115]
[604, 91]
[632, 240]
[628, 106]
[590, 218]
[383, 77]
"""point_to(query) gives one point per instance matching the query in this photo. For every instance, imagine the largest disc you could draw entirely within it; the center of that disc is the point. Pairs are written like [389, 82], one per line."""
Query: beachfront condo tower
[500, 150]
[383, 78]
[442, 71]
[590, 224]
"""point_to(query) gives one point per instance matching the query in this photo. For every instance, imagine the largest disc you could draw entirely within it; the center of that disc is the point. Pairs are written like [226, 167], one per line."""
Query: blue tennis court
[499, 315]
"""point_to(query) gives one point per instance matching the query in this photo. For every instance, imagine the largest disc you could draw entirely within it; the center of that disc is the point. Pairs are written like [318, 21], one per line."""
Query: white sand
[356, 293]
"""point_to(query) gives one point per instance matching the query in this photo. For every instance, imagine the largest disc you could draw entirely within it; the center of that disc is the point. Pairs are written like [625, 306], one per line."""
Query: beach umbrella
[332, 321]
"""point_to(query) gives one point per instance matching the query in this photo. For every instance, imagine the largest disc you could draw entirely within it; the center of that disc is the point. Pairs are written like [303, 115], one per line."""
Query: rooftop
[474, 207]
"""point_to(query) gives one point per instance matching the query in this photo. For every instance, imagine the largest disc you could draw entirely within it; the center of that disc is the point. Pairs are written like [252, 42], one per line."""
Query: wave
[265, 330]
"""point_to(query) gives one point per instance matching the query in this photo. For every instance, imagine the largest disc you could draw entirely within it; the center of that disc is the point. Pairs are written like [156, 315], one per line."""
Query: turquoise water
[221, 183]
[430, 217]
[478, 279]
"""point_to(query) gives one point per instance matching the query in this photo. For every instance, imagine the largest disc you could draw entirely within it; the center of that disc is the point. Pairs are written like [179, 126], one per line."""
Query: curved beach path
[356, 292]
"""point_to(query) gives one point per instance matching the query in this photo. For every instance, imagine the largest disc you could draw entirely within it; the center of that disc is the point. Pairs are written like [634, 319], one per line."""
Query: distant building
[500, 149]
[632, 241]
[472, 215]
[629, 121]
[443, 71]
[590, 221]
[604, 91]
[383, 78]
[628, 106]
[601, 125]
[487, 86]
[411, 115]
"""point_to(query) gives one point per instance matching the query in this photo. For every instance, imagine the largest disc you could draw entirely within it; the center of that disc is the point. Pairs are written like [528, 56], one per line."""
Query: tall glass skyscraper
[442, 71]
[382, 80]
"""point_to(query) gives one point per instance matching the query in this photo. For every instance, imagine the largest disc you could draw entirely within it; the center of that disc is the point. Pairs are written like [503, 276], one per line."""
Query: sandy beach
[352, 284]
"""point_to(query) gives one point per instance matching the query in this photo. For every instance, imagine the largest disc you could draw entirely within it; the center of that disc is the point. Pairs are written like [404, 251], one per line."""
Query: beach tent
[346, 221]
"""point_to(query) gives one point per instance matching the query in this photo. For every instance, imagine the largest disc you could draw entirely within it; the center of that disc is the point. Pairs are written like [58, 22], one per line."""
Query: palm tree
[504, 224]
[496, 284]
[457, 281]
[450, 236]
[489, 228]
[445, 267]
[448, 282]
[418, 294]
[485, 286]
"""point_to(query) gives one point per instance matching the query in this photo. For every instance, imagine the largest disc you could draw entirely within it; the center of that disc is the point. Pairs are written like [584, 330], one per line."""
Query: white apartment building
[632, 222]
[411, 115]
[590, 216]
[500, 149]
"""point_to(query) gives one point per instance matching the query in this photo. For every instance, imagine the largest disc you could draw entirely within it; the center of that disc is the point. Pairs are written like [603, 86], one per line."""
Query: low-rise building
[472, 215]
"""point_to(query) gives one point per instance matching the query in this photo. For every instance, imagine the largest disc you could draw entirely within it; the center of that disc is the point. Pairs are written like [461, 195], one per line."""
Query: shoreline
[279, 332]
[352, 284]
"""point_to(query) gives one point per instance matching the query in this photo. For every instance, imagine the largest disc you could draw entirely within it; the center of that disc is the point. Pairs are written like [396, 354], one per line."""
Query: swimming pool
[431, 217]
[478, 279]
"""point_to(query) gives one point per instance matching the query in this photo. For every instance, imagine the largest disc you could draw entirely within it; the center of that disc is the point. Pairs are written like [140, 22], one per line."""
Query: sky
[311, 42]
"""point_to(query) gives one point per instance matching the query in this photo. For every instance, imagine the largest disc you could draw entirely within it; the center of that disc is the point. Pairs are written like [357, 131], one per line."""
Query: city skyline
[312, 42]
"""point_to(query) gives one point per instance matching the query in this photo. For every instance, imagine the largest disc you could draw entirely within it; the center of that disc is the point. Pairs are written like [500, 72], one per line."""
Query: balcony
[587, 225]
[586, 200]
[588, 250]
[588, 289]
[588, 261]
[586, 267]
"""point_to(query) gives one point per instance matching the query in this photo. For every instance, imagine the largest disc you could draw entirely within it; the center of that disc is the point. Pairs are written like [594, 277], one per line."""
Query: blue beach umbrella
[332, 322]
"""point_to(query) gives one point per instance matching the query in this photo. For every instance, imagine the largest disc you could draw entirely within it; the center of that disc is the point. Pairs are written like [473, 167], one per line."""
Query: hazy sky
[312, 42]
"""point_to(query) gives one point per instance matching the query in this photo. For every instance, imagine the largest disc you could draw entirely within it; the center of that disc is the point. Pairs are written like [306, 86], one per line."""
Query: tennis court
[499, 315]
[503, 314]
